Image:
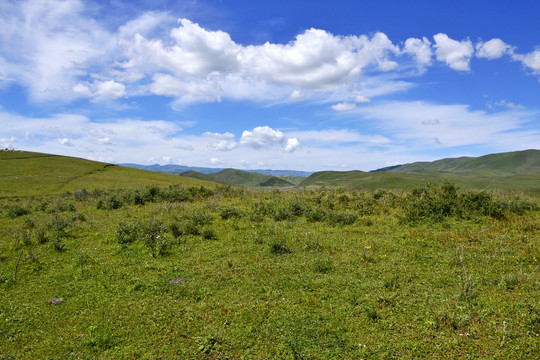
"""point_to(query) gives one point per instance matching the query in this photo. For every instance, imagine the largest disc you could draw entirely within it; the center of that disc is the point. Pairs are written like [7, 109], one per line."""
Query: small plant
[279, 247]
[17, 210]
[208, 234]
[231, 212]
[128, 232]
[323, 266]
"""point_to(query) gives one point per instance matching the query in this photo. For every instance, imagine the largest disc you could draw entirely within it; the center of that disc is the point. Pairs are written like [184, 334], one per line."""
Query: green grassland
[28, 173]
[174, 270]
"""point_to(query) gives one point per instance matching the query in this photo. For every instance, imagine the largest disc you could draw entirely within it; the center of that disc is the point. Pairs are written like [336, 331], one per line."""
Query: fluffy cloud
[420, 49]
[530, 60]
[262, 137]
[292, 145]
[456, 54]
[492, 49]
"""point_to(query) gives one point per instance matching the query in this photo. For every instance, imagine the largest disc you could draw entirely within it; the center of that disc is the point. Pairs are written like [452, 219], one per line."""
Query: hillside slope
[510, 163]
[29, 173]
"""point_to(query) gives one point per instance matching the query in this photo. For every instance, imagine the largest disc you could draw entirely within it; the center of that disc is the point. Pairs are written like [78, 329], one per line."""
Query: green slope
[240, 178]
[28, 173]
[358, 180]
[511, 163]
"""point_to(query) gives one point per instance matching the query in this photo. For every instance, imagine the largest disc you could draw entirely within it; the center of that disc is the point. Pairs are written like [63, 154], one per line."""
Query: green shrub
[17, 210]
[279, 247]
[128, 232]
[231, 212]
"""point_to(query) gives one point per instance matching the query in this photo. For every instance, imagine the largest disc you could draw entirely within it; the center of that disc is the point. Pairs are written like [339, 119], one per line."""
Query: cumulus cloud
[492, 49]
[292, 145]
[420, 49]
[261, 137]
[110, 89]
[456, 54]
[58, 51]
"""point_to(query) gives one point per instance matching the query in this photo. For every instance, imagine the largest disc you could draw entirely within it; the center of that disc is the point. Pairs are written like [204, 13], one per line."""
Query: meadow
[221, 272]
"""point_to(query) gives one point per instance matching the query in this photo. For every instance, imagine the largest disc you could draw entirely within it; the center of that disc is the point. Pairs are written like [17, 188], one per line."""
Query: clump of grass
[231, 212]
[279, 247]
[323, 266]
[16, 210]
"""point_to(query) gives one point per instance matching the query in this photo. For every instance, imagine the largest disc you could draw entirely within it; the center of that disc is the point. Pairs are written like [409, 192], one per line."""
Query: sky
[295, 85]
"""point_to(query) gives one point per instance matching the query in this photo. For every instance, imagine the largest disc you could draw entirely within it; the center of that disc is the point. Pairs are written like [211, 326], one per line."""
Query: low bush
[16, 210]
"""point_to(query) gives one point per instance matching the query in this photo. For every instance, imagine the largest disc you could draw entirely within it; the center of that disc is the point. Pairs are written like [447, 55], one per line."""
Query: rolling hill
[28, 173]
[519, 171]
[510, 163]
[240, 178]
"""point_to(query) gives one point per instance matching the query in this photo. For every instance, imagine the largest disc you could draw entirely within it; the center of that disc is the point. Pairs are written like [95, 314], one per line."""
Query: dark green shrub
[17, 210]
[315, 215]
[209, 234]
[128, 232]
[279, 247]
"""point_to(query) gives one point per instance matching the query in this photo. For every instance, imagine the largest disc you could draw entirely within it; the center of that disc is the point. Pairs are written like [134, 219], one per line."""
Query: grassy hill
[240, 178]
[510, 163]
[29, 173]
[515, 171]
[358, 180]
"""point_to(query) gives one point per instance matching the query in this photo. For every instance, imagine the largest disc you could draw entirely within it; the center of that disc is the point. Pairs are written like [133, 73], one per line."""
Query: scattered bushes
[436, 203]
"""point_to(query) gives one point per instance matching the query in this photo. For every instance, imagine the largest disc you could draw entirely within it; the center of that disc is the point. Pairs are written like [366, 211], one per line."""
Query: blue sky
[305, 85]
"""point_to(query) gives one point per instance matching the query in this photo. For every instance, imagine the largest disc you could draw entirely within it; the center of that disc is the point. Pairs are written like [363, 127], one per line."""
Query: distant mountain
[239, 178]
[205, 170]
[510, 163]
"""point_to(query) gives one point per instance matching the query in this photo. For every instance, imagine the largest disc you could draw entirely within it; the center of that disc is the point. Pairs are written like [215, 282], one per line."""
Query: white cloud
[51, 43]
[456, 54]
[292, 145]
[509, 105]
[224, 142]
[492, 49]
[345, 106]
[261, 137]
[456, 125]
[215, 161]
[110, 89]
[530, 60]
[420, 49]
[65, 142]
[357, 98]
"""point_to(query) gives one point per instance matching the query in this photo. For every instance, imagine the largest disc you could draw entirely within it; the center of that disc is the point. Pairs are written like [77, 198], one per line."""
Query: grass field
[28, 173]
[226, 273]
